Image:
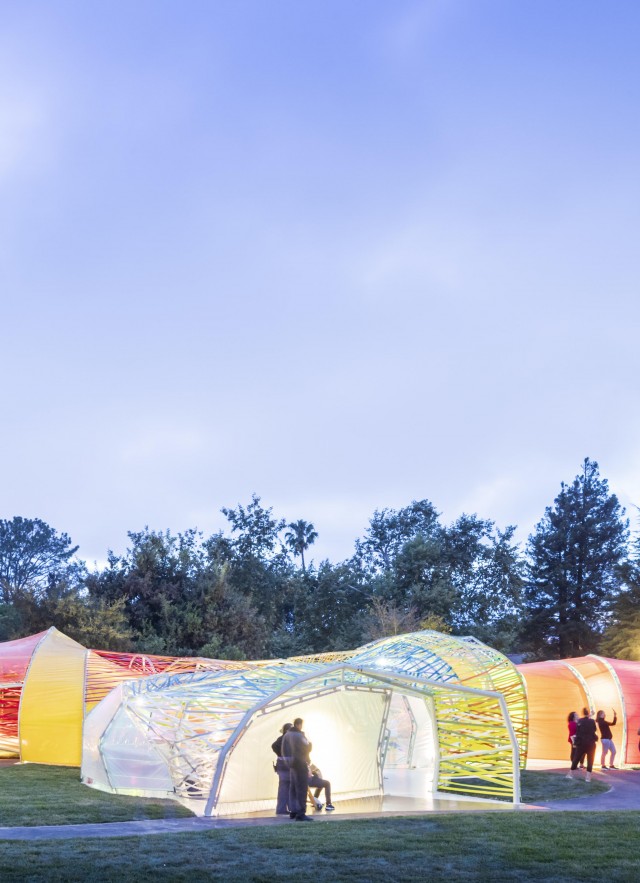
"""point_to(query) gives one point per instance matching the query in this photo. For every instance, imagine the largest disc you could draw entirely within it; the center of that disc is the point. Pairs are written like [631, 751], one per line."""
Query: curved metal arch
[583, 683]
[623, 707]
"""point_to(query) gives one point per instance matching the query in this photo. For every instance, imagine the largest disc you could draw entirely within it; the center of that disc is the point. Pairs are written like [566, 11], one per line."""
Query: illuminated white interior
[344, 728]
[409, 767]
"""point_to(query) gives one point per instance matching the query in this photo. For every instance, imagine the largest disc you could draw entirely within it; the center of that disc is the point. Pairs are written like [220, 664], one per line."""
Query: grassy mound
[33, 794]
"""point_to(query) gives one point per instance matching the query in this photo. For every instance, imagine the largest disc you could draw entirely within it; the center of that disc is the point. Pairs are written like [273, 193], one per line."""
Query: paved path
[192, 825]
[624, 794]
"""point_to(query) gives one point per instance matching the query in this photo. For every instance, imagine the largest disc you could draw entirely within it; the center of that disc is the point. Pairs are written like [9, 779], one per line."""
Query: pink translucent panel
[15, 657]
[628, 673]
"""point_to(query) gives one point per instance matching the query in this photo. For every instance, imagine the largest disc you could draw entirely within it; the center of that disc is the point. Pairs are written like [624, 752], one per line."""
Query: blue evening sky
[342, 253]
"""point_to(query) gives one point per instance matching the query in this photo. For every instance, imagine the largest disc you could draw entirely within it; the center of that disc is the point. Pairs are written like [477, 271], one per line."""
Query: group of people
[583, 738]
[297, 775]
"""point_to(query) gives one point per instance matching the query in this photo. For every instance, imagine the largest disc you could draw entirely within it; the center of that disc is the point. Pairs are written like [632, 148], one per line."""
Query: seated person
[316, 781]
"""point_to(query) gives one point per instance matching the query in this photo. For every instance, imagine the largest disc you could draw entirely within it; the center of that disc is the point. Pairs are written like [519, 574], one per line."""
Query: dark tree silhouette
[301, 535]
[32, 556]
[575, 557]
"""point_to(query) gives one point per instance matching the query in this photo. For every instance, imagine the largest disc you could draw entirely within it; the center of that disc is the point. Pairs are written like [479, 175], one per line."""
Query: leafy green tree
[257, 531]
[467, 576]
[211, 620]
[92, 622]
[434, 623]
[385, 619]
[400, 569]
[422, 577]
[12, 623]
[179, 599]
[299, 537]
[487, 571]
[156, 569]
[240, 595]
[574, 567]
[32, 556]
[328, 608]
[390, 529]
[409, 569]
[260, 567]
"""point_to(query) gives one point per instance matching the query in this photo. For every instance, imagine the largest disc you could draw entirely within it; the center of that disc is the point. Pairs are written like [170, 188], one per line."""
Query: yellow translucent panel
[51, 709]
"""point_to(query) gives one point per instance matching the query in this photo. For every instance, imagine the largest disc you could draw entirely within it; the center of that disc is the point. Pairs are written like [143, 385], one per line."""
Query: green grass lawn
[541, 787]
[502, 846]
[33, 794]
[496, 847]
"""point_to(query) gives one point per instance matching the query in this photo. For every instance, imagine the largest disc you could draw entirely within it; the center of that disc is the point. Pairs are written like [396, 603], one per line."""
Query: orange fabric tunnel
[557, 687]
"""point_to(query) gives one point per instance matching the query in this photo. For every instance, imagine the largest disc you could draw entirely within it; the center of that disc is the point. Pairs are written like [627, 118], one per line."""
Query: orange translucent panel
[141, 663]
[102, 676]
[552, 692]
[604, 693]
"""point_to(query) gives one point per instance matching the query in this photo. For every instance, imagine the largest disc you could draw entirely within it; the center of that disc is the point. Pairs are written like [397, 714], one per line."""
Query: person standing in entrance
[586, 739]
[284, 776]
[606, 738]
[572, 724]
[295, 750]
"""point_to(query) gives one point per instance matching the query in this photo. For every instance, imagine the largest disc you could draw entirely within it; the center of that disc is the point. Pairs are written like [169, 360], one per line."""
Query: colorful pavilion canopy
[448, 659]
[199, 729]
[48, 682]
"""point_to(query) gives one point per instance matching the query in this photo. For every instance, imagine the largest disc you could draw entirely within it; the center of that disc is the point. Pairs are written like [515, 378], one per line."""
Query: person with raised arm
[606, 739]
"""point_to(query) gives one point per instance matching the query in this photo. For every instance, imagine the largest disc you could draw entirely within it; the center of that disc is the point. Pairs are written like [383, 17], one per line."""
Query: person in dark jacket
[284, 777]
[606, 738]
[295, 751]
[572, 725]
[585, 742]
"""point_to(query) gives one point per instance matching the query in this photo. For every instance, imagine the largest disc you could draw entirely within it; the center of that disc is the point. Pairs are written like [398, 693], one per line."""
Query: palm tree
[300, 537]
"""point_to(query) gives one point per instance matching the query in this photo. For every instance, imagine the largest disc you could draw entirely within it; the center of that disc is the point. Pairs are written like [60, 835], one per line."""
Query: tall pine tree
[574, 560]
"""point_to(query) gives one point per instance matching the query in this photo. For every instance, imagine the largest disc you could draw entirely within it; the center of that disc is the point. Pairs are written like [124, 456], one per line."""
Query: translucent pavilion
[450, 710]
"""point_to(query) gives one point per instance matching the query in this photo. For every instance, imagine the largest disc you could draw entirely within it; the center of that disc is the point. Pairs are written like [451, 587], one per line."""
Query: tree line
[249, 592]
